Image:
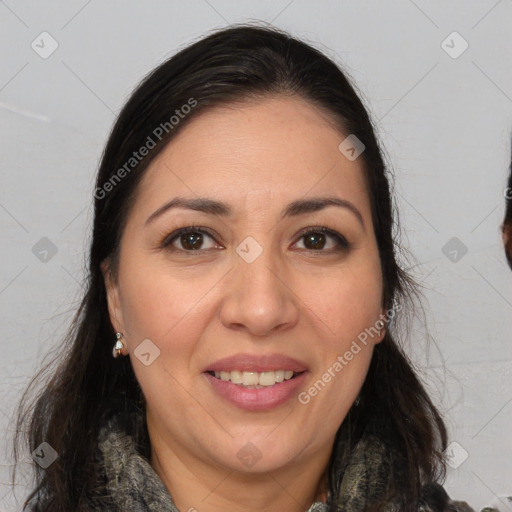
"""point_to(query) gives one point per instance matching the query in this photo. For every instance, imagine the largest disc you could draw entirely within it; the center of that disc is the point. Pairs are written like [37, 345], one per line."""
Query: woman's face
[252, 292]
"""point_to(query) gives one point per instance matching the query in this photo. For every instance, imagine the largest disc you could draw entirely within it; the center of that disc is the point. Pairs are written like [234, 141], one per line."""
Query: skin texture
[294, 299]
[506, 232]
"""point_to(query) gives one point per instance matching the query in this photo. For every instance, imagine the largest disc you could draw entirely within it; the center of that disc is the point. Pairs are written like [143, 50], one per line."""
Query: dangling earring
[116, 351]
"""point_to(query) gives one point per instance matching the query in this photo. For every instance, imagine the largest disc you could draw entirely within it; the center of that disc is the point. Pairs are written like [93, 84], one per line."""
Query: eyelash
[343, 244]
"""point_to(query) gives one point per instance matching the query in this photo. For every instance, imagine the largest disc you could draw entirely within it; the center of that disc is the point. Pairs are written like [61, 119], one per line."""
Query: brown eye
[192, 241]
[192, 238]
[189, 239]
[316, 239]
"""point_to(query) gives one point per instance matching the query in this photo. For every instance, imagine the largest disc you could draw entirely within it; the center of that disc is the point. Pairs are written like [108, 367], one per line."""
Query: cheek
[172, 309]
[156, 303]
[169, 311]
[349, 309]
[349, 303]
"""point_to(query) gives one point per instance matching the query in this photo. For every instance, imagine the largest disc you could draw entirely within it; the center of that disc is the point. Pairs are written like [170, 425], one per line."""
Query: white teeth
[250, 378]
[236, 377]
[279, 375]
[255, 379]
[267, 378]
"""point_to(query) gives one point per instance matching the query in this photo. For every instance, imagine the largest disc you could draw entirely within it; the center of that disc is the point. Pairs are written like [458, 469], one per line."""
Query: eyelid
[343, 243]
[168, 239]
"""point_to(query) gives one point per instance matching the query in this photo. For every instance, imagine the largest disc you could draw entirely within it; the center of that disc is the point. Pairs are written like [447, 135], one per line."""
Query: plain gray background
[445, 119]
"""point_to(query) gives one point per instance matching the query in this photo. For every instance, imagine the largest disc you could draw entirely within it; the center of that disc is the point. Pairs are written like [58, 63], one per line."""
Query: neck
[197, 485]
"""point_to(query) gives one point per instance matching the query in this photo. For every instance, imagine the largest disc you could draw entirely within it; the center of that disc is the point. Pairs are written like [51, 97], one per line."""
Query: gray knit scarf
[133, 486]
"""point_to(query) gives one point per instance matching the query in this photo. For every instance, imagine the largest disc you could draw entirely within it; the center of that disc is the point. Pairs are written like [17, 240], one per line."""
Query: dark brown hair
[507, 221]
[88, 385]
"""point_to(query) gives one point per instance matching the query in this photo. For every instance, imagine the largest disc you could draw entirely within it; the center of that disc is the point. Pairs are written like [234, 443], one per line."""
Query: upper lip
[256, 363]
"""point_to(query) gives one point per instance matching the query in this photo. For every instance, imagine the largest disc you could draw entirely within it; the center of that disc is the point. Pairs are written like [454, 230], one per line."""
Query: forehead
[275, 149]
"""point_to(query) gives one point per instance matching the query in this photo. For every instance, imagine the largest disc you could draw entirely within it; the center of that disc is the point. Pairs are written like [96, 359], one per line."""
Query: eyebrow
[294, 209]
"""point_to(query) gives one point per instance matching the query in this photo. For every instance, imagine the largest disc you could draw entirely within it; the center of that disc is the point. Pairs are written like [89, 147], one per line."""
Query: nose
[258, 297]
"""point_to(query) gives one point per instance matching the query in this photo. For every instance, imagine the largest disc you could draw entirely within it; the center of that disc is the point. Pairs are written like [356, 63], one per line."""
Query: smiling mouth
[255, 380]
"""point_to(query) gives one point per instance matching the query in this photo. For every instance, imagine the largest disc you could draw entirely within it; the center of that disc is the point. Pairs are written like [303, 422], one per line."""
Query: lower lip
[257, 399]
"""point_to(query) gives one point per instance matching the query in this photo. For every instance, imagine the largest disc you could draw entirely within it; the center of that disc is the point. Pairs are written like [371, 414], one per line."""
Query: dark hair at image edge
[507, 221]
[87, 386]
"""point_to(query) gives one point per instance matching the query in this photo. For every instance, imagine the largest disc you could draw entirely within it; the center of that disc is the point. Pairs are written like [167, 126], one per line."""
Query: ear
[113, 298]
